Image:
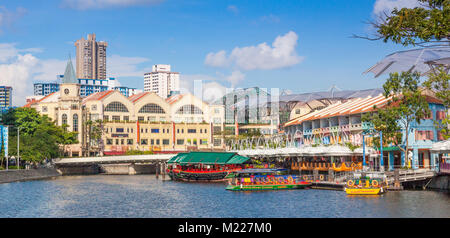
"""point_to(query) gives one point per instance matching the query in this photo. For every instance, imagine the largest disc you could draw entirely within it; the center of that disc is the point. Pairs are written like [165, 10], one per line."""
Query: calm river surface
[144, 196]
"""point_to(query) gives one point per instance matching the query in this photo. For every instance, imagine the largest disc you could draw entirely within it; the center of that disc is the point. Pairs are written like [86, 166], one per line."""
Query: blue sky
[216, 41]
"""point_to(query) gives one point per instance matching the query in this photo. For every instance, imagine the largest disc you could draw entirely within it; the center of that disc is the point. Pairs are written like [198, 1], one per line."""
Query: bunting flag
[1, 136]
[138, 133]
[5, 138]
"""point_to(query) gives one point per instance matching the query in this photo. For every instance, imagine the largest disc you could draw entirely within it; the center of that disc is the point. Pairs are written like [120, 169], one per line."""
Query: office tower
[161, 80]
[91, 58]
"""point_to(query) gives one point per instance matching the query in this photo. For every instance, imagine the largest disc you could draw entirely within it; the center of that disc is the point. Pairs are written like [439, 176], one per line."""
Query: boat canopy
[208, 158]
[259, 171]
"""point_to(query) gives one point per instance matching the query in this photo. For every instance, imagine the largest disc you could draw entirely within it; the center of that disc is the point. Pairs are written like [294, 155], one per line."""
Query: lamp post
[381, 152]
[18, 147]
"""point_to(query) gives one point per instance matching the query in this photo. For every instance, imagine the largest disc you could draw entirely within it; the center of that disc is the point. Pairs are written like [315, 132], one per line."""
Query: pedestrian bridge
[114, 159]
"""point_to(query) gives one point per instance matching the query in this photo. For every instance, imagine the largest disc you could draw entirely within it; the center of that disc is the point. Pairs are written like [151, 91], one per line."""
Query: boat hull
[265, 187]
[189, 176]
[365, 191]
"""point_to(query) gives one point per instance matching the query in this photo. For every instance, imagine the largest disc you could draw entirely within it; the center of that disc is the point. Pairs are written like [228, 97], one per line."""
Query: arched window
[116, 107]
[189, 109]
[75, 122]
[64, 119]
[151, 108]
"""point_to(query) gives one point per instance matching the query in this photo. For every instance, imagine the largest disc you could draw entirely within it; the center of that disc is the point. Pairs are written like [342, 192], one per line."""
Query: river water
[145, 196]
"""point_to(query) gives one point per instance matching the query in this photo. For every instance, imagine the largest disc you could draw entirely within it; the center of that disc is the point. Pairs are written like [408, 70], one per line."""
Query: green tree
[439, 83]
[415, 26]
[406, 105]
[40, 137]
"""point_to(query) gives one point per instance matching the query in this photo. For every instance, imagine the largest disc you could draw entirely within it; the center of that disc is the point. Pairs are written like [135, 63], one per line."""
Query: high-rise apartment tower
[161, 80]
[91, 58]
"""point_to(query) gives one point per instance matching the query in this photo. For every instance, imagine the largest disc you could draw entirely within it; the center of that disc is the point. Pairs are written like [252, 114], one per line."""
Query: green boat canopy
[208, 158]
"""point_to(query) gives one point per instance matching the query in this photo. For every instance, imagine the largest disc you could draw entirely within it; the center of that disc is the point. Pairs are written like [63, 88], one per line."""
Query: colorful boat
[264, 179]
[365, 187]
[205, 166]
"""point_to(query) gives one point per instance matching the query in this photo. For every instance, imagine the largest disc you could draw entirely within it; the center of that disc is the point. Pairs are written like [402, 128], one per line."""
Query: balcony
[307, 132]
[334, 129]
[325, 130]
[344, 127]
[356, 126]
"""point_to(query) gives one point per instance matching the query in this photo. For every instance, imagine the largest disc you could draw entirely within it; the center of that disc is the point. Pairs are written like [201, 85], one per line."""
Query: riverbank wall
[110, 169]
[440, 182]
[8, 176]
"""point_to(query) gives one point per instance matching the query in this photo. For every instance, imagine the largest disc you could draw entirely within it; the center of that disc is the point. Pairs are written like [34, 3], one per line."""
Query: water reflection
[144, 196]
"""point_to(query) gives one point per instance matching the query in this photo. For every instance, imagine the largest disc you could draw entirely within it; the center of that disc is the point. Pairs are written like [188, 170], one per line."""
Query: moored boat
[264, 179]
[365, 187]
[205, 166]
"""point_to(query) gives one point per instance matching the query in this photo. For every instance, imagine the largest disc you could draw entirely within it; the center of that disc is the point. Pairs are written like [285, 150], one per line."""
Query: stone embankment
[8, 176]
[440, 182]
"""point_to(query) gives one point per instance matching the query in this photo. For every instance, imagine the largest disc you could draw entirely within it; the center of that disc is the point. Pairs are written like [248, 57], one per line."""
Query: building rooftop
[353, 106]
[98, 95]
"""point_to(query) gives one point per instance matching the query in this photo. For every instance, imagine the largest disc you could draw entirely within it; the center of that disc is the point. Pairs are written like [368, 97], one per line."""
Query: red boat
[205, 166]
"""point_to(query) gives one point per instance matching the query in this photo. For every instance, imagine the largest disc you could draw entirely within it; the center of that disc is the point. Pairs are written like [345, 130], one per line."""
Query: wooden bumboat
[365, 187]
[205, 166]
[263, 179]
[200, 174]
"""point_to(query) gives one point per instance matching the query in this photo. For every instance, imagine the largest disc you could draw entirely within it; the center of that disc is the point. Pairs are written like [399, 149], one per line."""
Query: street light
[18, 146]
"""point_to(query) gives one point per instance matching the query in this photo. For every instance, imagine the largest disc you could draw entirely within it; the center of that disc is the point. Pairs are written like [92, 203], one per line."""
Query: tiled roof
[69, 74]
[174, 98]
[136, 97]
[40, 100]
[353, 106]
[98, 95]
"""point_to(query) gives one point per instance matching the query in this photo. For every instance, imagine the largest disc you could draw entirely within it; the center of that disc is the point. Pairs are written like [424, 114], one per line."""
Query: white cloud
[213, 91]
[211, 88]
[233, 8]
[7, 17]
[218, 59]
[121, 66]
[17, 74]
[19, 68]
[281, 54]
[270, 19]
[49, 68]
[235, 77]
[386, 6]
[99, 4]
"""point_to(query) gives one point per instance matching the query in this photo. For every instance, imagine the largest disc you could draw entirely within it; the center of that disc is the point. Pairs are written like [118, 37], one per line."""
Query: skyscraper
[91, 58]
[161, 80]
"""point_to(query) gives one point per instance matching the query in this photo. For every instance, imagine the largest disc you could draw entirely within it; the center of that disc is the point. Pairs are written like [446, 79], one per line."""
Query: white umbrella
[359, 151]
[337, 150]
[420, 60]
[442, 147]
[313, 151]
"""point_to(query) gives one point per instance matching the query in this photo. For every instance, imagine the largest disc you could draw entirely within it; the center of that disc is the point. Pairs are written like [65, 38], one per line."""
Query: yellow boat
[365, 191]
[371, 187]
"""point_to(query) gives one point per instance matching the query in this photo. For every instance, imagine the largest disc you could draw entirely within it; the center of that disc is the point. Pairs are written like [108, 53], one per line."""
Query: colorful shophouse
[340, 123]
